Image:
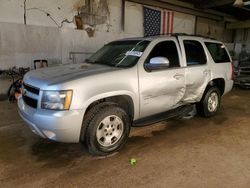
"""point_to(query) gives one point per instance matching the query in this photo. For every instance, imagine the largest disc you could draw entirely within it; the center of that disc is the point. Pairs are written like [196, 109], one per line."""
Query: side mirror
[157, 63]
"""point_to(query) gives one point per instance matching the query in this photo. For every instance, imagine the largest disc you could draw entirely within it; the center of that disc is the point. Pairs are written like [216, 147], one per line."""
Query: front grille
[29, 101]
[31, 89]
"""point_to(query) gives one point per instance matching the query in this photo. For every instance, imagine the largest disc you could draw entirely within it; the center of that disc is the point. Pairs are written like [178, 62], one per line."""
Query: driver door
[162, 89]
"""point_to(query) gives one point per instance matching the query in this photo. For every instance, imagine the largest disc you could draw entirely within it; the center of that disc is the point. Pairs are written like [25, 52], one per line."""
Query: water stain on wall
[90, 14]
[77, 6]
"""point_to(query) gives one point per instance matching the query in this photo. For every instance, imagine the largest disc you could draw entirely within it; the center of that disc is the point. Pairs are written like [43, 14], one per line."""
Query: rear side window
[195, 54]
[218, 52]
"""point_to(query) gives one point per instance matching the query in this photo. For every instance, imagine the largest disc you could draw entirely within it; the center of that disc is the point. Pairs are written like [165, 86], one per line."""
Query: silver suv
[130, 82]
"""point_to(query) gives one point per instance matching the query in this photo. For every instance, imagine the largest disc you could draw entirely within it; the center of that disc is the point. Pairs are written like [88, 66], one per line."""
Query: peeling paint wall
[47, 29]
[12, 11]
[94, 12]
[51, 32]
[43, 37]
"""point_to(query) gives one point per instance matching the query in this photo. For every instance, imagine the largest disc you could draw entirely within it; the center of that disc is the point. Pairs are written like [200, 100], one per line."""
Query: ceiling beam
[205, 4]
[179, 3]
[188, 8]
[169, 6]
[238, 25]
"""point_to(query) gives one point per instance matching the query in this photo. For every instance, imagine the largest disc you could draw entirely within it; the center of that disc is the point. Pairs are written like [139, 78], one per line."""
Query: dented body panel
[151, 92]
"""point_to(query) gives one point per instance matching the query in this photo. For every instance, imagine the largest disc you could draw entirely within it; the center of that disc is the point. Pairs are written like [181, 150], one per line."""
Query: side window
[166, 49]
[195, 54]
[218, 52]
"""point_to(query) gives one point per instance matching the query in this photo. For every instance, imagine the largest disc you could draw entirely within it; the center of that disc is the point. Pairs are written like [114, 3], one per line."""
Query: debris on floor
[132, 161]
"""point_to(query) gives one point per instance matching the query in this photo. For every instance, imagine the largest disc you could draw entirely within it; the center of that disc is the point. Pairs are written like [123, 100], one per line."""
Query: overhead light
[240, 3]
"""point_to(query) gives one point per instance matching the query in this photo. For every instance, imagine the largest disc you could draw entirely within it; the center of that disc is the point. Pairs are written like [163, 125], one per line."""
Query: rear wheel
[210, 102]
[107, 129]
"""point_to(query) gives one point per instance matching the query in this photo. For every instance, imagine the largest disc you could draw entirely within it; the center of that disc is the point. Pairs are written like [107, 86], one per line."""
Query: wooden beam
[193, 7]
[179, 3]
[184, 7]
[177, 8]
[238, 25]
[213, 3]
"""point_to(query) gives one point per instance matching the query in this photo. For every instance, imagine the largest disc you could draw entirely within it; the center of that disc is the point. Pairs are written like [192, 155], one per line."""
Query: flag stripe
[168, 22]
[164, 20]
[172, 23]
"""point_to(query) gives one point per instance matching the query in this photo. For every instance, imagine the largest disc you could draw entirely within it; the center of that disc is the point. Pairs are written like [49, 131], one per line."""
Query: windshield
[119, 53]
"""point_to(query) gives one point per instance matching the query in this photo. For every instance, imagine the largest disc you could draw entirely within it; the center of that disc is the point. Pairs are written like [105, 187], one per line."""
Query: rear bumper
[61, 126]
[228, 86]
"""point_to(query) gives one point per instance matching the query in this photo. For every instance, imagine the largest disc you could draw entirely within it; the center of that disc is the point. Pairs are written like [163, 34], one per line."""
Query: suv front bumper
[61, 126]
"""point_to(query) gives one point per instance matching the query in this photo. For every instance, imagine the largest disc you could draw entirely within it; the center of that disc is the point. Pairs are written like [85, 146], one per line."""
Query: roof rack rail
[181, 34]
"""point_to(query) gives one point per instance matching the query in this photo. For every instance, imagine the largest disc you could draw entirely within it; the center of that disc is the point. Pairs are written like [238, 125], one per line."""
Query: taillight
[232, 73]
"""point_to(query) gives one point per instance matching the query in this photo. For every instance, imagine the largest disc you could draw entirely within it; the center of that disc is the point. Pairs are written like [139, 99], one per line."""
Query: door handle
[178, 76]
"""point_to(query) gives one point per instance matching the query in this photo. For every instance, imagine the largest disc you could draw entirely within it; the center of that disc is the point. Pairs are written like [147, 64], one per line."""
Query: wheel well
[218, 82]
[124, 101]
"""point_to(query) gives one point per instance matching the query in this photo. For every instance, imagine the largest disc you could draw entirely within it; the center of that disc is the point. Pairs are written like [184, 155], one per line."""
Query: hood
[64, 73]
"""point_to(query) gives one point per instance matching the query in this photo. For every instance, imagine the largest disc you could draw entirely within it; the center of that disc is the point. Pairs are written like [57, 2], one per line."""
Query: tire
[107, 129]
[210, 102]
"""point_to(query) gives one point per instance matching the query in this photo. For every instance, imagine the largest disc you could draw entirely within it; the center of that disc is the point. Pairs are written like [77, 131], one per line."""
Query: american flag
[158, 21]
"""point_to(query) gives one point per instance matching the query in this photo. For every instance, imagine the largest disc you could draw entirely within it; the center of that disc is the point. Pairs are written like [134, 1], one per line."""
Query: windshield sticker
[134, 53]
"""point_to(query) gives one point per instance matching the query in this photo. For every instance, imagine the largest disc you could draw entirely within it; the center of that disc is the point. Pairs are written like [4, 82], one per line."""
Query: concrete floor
[198, 152]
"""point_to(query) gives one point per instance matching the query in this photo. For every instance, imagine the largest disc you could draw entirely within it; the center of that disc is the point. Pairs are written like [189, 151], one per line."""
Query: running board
[180, 111]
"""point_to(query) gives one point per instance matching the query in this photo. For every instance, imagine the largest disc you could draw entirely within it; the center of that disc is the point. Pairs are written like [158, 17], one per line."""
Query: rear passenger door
[197, 71]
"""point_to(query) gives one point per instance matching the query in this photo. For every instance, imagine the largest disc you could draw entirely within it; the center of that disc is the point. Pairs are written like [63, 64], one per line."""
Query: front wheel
[107, 130]
[210, 102]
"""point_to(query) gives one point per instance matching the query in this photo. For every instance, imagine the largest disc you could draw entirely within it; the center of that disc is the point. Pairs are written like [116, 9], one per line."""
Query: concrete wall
[48, 36]
[184, 23]
[213, 29]
[41, 38]
[20, 44]
[134, 19]
[242, 37]
[12, 11]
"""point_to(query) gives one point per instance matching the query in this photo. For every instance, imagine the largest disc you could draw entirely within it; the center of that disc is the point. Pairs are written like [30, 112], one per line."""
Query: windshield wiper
[103, 63]
[99, 63]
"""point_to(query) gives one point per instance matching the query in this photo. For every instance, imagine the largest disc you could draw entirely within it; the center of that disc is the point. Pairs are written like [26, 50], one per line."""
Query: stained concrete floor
[199, 152]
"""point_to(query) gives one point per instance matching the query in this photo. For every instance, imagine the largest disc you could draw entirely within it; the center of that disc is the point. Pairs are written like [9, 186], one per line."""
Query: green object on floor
[132, 161]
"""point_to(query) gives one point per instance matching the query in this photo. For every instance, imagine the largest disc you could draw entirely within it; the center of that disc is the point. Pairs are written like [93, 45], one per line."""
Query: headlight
[56, 100]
